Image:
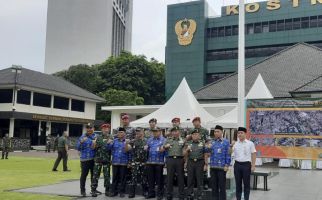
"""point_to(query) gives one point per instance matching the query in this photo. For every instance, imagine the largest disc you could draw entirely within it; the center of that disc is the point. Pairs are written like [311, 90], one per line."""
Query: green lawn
[23, 172]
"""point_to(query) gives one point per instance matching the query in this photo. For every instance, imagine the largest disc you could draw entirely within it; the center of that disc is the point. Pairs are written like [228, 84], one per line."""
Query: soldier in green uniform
[139, 157]
[176, 123]
[148, 132]
[62, 152]
[102, 159]
[175, 163]
[6, 145]
[195, 151]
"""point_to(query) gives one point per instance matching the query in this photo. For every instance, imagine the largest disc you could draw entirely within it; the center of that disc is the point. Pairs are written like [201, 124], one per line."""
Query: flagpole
[241, 64]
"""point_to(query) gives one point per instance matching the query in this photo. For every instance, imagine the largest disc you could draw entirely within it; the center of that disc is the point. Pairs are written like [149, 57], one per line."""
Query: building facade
[204, 49]
[34, 105]
[86, 32]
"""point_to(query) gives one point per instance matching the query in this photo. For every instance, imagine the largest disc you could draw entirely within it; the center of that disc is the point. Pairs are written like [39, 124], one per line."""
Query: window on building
[78, 105]
[265, 27]
[320, 21]
[235, 30]
[258, 28]
[305, 23]
[221, 31]
[75, 130]
[280, 25]
[288, 24]
[250, 29]
[228, 31]
[208, 33]
[61, 103]
[313, 21]
[214, 32]
[43, 100]
[210, 78]
[6, 95]
[272, 26]
[296, 23]
[24, 97]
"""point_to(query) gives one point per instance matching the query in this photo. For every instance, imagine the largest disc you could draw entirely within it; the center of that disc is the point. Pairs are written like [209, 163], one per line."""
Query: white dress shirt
[243, 151]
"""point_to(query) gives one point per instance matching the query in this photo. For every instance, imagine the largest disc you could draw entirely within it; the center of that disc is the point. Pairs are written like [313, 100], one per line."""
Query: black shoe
[55, 170]
[83, 193]
[67, 170]
[149, 196]
[2, 158]
[113, 194]
[94, 194]
[6, 158]
[170, 198]
[122, 195]
[131, 196]
[98, 192]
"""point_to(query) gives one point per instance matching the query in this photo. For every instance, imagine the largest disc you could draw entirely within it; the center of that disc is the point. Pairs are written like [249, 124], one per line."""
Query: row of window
[268, 26]
[42, 100]
[250, 52]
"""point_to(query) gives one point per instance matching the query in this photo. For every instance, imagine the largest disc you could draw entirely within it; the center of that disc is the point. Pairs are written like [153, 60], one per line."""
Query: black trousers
[5, 152]
[155, 176]
[175, 165]
[86, 167]
[218, 183]
[195, 172]
[119, 177]
[242, 171]
[62, 154]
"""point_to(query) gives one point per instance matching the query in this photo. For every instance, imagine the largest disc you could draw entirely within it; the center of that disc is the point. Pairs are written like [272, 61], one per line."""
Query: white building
[86, 32]
[34, 105]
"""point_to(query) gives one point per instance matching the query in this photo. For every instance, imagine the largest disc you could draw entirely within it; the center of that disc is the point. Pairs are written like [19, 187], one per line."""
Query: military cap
[219, 127]
[153, 120]
[196, 119]
[106, 125]
[195, 131]
[125, 116]
[175, 128]
[121, 129]
[138, 129]
[176, 119]
[156, 129]
[89, 125]
[242, 129]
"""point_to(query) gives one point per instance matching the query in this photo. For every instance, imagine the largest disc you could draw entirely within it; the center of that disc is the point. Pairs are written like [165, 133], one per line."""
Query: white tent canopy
[259, 90]
[182, 104]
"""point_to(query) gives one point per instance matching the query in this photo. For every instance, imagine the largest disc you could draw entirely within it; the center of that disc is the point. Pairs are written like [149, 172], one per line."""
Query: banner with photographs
[286, 128]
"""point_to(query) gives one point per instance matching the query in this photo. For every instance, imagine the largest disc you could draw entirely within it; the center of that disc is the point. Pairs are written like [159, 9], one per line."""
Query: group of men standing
[141, 155]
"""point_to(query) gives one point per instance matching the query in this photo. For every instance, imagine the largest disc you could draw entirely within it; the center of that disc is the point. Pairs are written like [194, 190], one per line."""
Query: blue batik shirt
[154, 145]
[87, 152]
[219, 153]
[119, 156]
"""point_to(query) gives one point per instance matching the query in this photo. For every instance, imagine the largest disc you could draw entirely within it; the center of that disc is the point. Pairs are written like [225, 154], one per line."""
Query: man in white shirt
[245, 157]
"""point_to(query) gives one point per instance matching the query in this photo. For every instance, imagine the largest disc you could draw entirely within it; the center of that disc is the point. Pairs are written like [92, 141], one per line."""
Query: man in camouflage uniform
[129, 131]
[139, 157]
[6, 145]
[204, 136]
[102, 159]
[148, 132]
[176, 123]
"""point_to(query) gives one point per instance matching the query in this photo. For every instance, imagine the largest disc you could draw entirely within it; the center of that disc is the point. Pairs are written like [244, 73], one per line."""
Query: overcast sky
[23, 30]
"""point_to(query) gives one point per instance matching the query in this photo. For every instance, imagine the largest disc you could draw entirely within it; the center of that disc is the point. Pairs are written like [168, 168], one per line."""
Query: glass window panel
[24, 97]
[305, 23]
[313, 21]
[43, 100]
[78, 105]
[6, 95]
[272, 26]
[280, 25]
[296, 23]
[288, 24]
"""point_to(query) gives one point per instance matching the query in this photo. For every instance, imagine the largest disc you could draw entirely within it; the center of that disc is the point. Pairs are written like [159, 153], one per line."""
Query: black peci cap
[219, 127]
[242, 129]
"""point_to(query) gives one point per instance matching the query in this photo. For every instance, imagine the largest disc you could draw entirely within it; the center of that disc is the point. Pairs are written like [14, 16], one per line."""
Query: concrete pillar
[39, 128]
[115, 119]
[48, 128]
[84, 128]
[67, 129]
[11, 127]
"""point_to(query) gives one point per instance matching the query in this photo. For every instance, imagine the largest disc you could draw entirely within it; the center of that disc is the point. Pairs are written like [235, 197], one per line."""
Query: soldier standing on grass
[6, 145]
[139, 157]
[62, 152]
[102, 159]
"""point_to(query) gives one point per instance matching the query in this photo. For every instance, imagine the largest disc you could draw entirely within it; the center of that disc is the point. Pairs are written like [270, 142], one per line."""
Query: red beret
[196, 119]
[176, 119]
[105, 125]
[125, 116]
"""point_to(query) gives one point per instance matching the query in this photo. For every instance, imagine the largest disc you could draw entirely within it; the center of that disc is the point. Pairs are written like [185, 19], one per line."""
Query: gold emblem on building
[185, 30]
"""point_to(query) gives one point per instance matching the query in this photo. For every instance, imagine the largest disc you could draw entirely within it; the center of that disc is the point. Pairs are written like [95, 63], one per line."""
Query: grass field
[24, 172]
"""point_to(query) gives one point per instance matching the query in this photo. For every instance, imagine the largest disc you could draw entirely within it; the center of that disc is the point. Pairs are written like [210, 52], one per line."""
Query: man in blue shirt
[120, 161]
[87, 153]
[219, 163]
[155, 163]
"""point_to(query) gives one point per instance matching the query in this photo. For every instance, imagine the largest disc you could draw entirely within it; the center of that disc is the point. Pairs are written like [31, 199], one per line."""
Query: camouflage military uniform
[102, 160]
[6, 145]
[139, 157]
[204, 133]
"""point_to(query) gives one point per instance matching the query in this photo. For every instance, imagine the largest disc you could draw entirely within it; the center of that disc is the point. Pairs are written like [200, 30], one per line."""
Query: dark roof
[40, 80]
[283, 73]
[312, 86]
